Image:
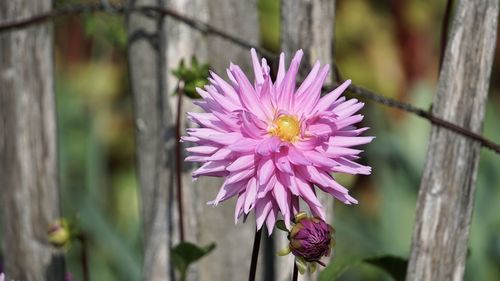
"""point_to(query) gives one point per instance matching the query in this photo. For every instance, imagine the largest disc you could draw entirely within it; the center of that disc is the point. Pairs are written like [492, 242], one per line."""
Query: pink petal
[281, 71]
[308, 81]
[238, 210]
[344, 112]
[239, 176]
[349, 141]
[227, 191]
[202, 149]
[245, 162]
[243, 145]
[349, 121]
[306, 191]
[226, 87]
[319, 159]
[222, 154]
[282, 163]
[251, 195]
[282, 198]
[267, 188]
[211, 168]
[287, 88]
[306, 144]
[296, 156]
[247, 93]
[257, 68]
[271, 219]
[262, 209]
[268, 146]
[327, 101]
[311, 97]
[265, 170]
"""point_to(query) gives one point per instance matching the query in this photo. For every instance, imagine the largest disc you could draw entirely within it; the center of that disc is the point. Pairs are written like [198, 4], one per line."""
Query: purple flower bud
[311, 239]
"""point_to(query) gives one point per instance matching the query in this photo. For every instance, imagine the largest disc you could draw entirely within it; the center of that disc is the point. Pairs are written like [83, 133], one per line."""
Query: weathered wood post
[155, 138]
[307, 25]
[29, 197]
[446, 197]
[155, 49]
[205, 224]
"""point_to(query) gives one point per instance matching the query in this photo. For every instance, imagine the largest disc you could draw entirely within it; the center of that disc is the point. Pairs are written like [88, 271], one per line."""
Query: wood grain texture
[306, 25]
[231, 261]
[183, 43]
[155, 140]
[28, 146]
[446, 197]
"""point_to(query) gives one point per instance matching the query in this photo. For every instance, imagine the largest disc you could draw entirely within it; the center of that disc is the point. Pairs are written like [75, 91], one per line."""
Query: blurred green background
[391, 47]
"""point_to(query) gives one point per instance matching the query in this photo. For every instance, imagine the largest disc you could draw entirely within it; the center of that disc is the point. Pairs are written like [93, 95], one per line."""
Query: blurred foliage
[106, 30]
[391, 265]
[96, 133]
[193, 76]
[186, 253]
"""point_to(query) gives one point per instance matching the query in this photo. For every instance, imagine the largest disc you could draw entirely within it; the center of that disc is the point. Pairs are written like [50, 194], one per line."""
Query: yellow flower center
[286, 127]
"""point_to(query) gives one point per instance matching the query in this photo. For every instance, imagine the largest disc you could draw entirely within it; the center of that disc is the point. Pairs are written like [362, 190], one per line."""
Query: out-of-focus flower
[69, 277]
[59, 233]
[275, 143]
[311, 238]
[2, 277]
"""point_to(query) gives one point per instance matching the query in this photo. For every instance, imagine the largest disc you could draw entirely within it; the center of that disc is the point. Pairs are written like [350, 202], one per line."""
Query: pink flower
[275, 143]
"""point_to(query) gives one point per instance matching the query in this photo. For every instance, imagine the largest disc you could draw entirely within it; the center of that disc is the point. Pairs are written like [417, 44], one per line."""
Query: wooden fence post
[155, 139]
[182, 43]
[205, 224]
[307, 25]
[446, 197]
[155, 49]
[28, 146]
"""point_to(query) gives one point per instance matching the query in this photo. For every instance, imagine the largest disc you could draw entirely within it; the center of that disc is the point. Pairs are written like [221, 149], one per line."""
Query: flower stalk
[255, 255]
[178, 160]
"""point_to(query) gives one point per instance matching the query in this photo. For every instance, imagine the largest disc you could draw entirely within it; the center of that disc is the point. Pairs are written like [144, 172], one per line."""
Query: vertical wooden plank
[28, 146]
[183, 43]
[307, 25]
[446, 197]
[231, 260]
[155, 139]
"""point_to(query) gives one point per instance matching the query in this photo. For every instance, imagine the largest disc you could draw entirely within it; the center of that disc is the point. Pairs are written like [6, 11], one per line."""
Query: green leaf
[186, 253]
[193, 76]
[394, 266]
[280, 224]
[337, 267]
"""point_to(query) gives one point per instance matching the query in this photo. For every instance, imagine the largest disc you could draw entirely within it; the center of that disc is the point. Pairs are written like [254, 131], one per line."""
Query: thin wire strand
[209, 29]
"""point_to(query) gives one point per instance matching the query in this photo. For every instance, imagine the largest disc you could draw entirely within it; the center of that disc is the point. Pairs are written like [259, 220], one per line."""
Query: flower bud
[59, 233]
[311, 238]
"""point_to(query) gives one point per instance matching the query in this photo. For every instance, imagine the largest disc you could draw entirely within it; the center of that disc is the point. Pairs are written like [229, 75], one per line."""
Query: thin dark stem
[295, 275]
[84, 257]
[255, 255]
[445, 25]
[209, 29]
[178, 160]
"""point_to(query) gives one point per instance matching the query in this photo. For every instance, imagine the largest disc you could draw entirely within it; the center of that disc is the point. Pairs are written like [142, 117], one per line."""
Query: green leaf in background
[193, 77]
[394, 266]
[337, 267]
[187, 253]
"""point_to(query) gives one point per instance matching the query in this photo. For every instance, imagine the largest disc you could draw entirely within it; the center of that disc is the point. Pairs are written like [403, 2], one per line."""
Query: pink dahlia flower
[275, 143]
